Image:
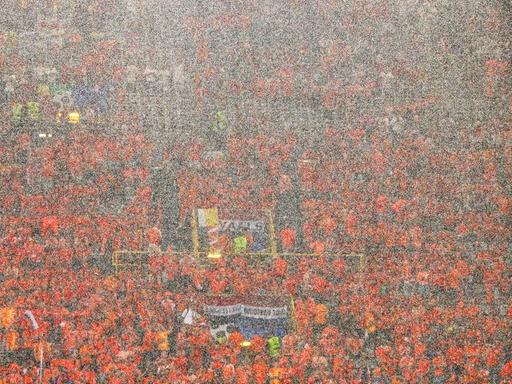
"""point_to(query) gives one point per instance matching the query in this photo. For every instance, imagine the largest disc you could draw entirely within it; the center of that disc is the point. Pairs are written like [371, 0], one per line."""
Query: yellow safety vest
[33, 110]
[17, 112]
[6, 316]
[163, 340]
[11, 340]
[275, 375]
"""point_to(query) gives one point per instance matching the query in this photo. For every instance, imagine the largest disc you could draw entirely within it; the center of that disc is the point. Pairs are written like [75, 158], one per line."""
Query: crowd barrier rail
[137, 258]
[127, 259]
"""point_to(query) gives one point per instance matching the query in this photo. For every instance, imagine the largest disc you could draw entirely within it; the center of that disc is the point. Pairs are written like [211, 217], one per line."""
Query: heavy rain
[255, 192]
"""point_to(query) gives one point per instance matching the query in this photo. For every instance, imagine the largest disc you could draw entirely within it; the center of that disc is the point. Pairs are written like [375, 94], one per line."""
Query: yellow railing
[202, 256]
[118, 261]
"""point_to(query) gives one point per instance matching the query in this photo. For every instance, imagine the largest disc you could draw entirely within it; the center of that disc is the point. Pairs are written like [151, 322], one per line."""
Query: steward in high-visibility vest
[219, 131]
[274, 346]
[220, 124]
[239, 244]
[17, 112]
[221, 337]
[33, 110]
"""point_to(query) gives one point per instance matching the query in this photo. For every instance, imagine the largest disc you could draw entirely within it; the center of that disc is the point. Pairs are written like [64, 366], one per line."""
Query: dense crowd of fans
[391, 324]
[432, 305]
[357, 139]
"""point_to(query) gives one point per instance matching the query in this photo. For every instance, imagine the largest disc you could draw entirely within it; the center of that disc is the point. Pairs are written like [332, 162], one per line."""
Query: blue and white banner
[239, 226]
[257, 315]
[247, 311]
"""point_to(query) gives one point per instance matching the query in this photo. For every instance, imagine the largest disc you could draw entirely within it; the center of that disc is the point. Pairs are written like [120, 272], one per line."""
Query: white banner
[223, 310]
[247, 311]
[265, 312]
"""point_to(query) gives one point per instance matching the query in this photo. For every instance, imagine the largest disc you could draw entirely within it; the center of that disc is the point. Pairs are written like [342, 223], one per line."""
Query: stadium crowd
[418, 186]
[432, 305]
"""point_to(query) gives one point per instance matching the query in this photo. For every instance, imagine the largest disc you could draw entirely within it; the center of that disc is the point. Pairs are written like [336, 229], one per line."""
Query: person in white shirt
[190, 316]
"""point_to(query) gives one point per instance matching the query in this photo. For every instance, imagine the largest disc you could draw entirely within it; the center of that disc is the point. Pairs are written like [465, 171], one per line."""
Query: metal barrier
[202, 258]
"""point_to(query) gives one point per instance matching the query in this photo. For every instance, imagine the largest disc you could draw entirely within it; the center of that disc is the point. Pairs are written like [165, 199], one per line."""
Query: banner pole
[116, 265]
[294, 320]
[195, 234]
[362, 262]
[40, 363]
[272, 231]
